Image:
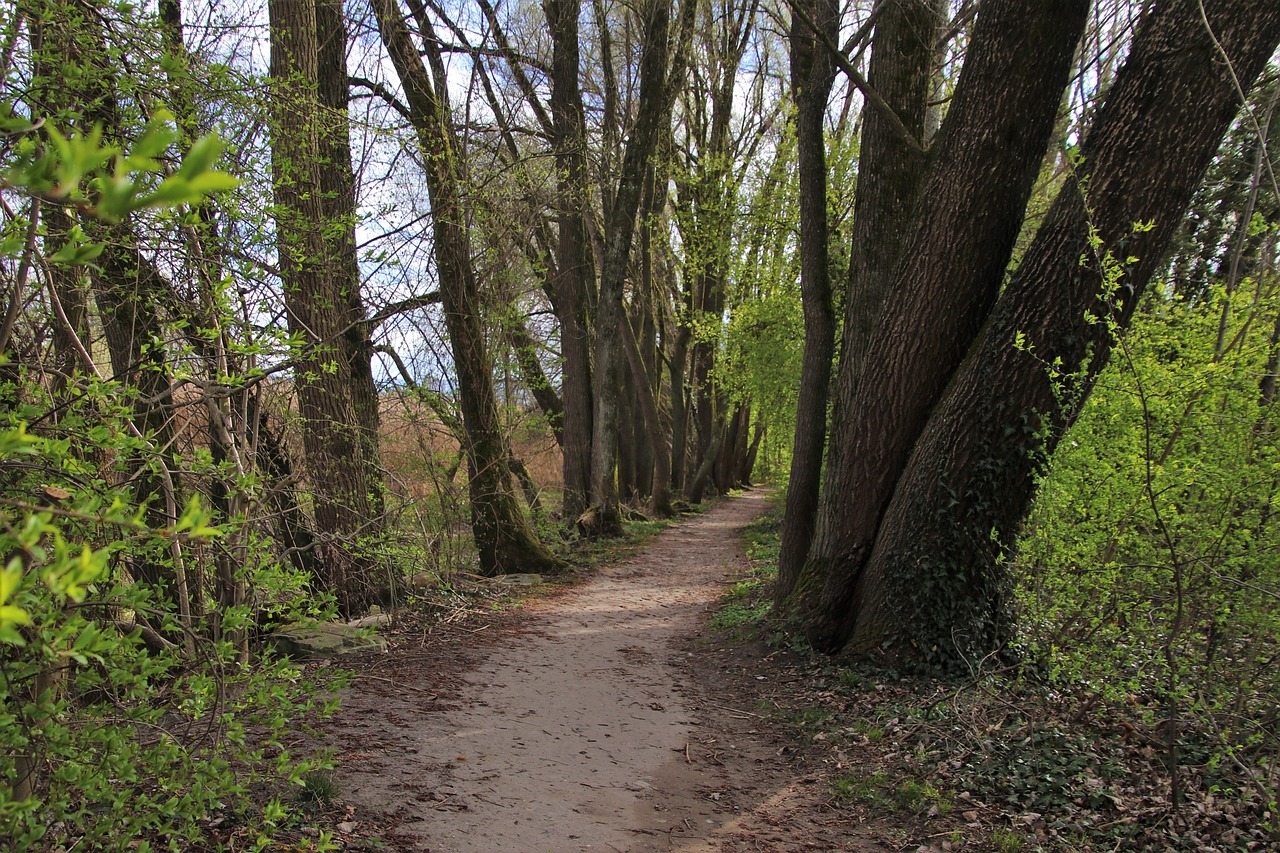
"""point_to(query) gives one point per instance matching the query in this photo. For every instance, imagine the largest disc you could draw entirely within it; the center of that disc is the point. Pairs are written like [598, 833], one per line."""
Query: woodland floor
[606, 715]
[613, 710]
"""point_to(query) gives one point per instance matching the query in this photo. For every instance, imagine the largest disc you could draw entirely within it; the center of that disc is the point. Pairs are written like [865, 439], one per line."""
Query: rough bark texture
[812, 73]
[337, 181]
[988, 154]
[575, 272]
[505, 540]
[890, 175]
[317, 274]
[935, 583]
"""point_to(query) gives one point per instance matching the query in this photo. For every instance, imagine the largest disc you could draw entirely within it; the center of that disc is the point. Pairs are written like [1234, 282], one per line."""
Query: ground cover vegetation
[310, 305]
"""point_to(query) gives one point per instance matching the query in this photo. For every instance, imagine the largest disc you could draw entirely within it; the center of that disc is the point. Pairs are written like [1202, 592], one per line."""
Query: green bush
[1149, 572]
[130, 716]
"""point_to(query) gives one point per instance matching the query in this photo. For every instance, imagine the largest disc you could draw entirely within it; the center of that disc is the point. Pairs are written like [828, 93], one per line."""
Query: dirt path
[583, 728]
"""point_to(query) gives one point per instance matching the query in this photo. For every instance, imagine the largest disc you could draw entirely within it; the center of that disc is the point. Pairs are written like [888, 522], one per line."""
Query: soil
[604, 716]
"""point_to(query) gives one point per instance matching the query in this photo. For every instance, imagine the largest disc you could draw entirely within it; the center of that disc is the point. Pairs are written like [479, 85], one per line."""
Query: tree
[934, 582]
[575, 273]
[812, 74]
[660, 80]
[707, 182]
[983, 166]
[317, 264]
[505, 540]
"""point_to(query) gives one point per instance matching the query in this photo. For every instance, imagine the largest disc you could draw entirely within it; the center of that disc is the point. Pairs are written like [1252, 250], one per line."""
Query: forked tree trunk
[935, 583]
[890, 174]
[987, 157]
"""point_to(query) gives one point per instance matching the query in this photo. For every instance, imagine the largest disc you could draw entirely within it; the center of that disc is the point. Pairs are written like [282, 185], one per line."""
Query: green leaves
[11, 616]
[105, 181]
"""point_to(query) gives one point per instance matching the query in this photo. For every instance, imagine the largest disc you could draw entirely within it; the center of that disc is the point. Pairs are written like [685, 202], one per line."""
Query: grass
[855, 787]
[318, 787]
[877, 789]
[738, 614]
[1006, 841]
[747, 603]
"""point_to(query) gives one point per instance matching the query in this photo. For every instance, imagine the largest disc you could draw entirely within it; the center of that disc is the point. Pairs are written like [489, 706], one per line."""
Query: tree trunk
[316, 270]
[753, 450]
[338, 200]
[656, 85]
[987, 157]
[575, 272]
[890, 174]
[661, 499]
[678, 367]
[525, 350]
[935, 585]
[812, 73]
[126, 289]
[504, 538]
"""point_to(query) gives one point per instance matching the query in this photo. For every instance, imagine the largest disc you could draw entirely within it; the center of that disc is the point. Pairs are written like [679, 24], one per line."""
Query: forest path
[582, 729]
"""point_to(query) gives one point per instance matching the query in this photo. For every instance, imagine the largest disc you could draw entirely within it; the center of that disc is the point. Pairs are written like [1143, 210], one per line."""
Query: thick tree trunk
[337, 182]
[988, 154]
[504, 538]
[316, 274]
[812, 73]
[69, 287]
[126, 288]
[710, 196]
[935, 584]
[890, 174]
[575, 272]
[697, 486]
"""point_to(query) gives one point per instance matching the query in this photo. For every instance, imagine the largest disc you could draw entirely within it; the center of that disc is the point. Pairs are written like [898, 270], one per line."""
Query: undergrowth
[1019, 761]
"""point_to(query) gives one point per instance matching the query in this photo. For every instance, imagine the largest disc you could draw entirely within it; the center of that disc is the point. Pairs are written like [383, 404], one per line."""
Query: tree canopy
[306, 302]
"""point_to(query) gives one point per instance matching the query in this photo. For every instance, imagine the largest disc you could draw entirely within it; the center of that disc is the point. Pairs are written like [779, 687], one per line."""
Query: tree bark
[935, 585]
[575, 271]
[987, 157]
[812, 74]
[657, 83]
[890, 174]
[316, 262]
[338, 201]
[126, 288]
[661, 498]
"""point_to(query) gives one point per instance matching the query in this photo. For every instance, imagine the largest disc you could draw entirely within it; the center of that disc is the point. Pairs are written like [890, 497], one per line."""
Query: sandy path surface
[579, 733]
